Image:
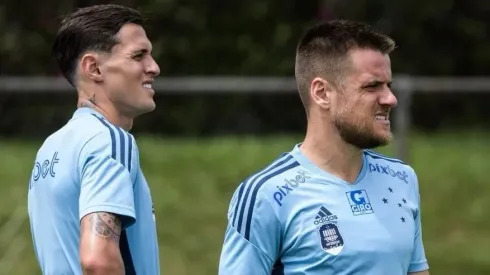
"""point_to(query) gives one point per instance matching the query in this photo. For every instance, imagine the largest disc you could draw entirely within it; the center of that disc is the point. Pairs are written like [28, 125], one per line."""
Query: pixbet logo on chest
[402, 175]
[289, 186]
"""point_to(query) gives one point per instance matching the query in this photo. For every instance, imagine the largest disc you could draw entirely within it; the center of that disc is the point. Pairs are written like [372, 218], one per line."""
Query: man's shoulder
[69, 141]
[252, 198]
[92, 125]
[74, 132]
[88, 135]
[258, 188]
[267, 178]
[92, 130]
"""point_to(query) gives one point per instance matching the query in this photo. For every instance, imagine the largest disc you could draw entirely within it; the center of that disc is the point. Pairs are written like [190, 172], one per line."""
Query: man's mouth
[148, 84]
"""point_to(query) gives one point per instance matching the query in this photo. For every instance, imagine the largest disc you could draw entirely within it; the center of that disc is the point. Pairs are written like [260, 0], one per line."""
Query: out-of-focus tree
[259, 37]
[251, 37]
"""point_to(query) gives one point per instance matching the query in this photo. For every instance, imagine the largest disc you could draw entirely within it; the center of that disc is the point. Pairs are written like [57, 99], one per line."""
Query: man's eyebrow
[377, 82]
[138, 51]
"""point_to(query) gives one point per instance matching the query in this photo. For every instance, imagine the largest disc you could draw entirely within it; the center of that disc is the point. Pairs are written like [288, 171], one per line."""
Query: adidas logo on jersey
[324, 216]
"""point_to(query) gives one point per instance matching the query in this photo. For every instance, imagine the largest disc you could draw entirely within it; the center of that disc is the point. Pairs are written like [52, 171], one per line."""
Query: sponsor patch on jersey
[387, 170]
[289, 185]
[359, 202]
[330, 238]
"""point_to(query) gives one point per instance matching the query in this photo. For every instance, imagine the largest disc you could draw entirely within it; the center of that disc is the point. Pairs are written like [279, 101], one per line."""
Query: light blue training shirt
[294, 218]
[88, 166]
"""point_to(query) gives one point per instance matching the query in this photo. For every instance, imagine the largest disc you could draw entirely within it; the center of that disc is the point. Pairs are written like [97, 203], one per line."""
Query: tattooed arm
[106, 203]
[99, 244]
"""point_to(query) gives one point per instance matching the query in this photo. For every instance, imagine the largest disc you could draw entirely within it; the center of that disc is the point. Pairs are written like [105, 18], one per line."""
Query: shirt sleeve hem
[120, 210]
[418, 267]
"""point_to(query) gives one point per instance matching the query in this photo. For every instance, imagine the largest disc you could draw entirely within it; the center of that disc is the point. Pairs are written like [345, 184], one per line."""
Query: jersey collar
[305, 162]
[86, 111]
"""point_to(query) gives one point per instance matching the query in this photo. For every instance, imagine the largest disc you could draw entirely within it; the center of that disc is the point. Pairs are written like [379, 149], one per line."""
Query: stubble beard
[359, 133]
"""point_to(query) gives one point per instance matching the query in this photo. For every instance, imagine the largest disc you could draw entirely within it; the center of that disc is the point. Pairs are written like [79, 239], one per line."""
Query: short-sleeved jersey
[294, 218]
[88, 166]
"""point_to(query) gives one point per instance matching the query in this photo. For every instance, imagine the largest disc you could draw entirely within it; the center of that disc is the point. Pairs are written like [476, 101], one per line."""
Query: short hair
[93, 28]
[323, 51]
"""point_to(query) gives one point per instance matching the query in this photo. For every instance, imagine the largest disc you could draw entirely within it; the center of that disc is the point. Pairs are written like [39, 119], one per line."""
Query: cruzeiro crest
[330, 238]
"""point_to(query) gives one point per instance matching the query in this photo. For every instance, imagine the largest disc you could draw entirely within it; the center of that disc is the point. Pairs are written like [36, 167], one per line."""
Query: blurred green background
[192, 181]
[200, 143]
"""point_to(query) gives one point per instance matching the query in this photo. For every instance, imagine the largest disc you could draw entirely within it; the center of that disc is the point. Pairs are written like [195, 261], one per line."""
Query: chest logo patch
[330, 238]
[359, 202]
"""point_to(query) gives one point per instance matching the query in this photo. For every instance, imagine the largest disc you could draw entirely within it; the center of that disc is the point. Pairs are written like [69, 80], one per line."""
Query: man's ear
[321, 92]
[90, 66]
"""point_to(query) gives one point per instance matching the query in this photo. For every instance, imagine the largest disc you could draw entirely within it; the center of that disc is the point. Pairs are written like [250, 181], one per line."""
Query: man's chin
[145, 108]
[369, 141]
[384, 137]
[364, 137]
[384, 141]
[150, 107]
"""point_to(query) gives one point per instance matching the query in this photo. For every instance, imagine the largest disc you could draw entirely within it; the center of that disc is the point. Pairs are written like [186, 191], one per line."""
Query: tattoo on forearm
[106, 225]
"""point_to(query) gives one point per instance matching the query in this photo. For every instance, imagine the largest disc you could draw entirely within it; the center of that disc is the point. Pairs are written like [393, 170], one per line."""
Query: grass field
[192, 181]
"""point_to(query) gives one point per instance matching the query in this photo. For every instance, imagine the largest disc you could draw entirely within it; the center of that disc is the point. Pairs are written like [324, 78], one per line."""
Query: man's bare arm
[426, 272]
[106, 225]
[99, 244]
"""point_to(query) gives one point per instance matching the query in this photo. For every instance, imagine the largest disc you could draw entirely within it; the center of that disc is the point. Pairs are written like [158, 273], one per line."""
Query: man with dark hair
[89, 204]
[331, 205]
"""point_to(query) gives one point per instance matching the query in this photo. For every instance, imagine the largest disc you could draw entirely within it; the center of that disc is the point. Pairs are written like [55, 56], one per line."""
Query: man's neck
[329, 152]
[109, 112]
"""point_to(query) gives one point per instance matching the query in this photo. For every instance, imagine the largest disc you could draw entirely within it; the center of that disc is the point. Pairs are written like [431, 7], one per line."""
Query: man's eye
[138, 56]
[374, 85]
